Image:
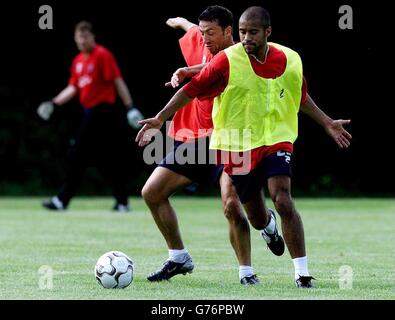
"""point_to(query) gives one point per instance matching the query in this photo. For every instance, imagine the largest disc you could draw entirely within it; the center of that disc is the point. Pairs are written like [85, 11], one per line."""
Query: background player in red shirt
[102, 137]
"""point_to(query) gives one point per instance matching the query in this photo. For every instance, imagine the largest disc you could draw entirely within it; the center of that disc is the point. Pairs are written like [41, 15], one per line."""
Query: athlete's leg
[75, 170]
[79, 157]
[256, 210]
[115, 152]
[159, 187]
[291, 222]
[239, 230]
[156, 192]
[115, 174]
[279, 187]
[249, 189]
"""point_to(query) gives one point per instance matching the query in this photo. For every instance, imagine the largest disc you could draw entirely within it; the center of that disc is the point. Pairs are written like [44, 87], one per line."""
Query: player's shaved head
[256, 13]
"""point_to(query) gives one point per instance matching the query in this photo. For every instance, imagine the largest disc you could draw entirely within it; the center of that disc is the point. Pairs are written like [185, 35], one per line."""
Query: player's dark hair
[221, 15]
[257, 13]
[84, 26]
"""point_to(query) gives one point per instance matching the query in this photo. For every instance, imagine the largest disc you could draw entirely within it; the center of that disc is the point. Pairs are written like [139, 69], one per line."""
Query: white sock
[178, 255]
[271, 226]
[300, 265]
[245, 271]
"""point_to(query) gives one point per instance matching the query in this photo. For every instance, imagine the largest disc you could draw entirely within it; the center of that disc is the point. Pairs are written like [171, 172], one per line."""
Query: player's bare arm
[123, 91]
[46, 108]
[180, 23]
[133, 114]
[152, 125]
[183, 73]
[334, 128]
[65, 95]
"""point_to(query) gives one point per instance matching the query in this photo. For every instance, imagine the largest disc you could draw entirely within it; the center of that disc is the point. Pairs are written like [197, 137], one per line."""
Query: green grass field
[359, 233]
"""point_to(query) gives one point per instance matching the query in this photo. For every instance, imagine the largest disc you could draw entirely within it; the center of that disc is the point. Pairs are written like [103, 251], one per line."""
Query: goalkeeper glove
[45, 110]
[134, 116]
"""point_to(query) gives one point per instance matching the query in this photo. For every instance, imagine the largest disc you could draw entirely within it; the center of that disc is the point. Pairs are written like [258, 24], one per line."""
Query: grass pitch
[356, 236]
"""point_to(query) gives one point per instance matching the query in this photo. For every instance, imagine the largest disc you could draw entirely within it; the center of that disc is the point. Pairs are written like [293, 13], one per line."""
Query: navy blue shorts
[275, 164]
[195, 161]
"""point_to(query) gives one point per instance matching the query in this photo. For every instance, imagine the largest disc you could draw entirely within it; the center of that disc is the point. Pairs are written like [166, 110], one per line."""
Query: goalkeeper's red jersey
[194, 120]
[94, 77]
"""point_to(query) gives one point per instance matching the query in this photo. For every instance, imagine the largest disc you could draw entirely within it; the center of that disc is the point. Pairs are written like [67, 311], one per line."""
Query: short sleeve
[193, 48]
[212, 79]
[73, 80]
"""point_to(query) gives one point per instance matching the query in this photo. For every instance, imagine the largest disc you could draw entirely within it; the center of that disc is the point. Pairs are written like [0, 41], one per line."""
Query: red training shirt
[94, 76]
[214, 77]
[194, 120]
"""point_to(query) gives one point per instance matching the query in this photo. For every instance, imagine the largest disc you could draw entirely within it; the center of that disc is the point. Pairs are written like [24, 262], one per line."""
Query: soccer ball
[114, 269]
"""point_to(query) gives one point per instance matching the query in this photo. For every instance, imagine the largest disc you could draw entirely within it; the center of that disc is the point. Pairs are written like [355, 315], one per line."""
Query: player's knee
[145, 193]
[150, 194]
[232, 209]
[283, 202]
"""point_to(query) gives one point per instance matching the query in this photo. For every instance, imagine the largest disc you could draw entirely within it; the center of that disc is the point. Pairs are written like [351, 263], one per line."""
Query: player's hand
[134, 116]
[150, 127]
[45, 110]
[178, 77]
[341, 136]
[176, 23]
[180, 23]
